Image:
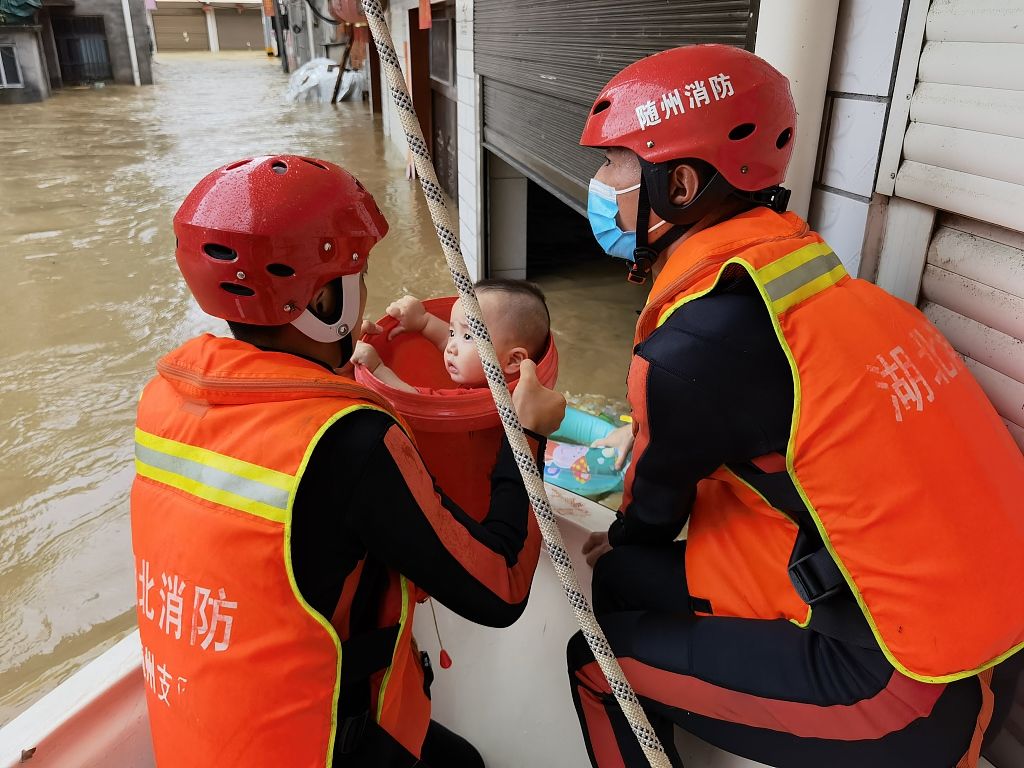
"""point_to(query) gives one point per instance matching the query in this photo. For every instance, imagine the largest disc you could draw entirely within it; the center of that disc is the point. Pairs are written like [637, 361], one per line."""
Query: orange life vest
[909, 475]
[239, 669]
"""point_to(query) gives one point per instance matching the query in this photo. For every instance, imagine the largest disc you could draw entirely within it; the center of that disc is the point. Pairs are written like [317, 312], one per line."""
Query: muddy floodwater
[89, 182]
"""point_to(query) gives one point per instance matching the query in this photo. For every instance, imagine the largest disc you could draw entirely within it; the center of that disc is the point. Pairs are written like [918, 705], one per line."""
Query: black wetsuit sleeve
[709, 387]
[384, 504]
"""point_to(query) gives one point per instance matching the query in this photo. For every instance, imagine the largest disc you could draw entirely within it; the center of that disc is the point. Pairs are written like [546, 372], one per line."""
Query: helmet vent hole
[219, 252]
[280, 270]
[314, 163]
[784, 138]
[238, 290]
[601, 106]
[741, 131]
[279, 167]
[239, 164]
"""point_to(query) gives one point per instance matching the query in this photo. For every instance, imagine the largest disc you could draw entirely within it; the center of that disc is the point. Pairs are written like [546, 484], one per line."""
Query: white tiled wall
[841, 221]
[865, 46]
[863, 60]
[854, 140]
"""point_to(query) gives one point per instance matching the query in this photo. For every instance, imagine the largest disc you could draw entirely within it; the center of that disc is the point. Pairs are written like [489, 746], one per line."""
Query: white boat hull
[507, 690]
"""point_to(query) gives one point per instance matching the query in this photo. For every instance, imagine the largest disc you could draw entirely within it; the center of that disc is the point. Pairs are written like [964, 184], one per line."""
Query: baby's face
[460, 356]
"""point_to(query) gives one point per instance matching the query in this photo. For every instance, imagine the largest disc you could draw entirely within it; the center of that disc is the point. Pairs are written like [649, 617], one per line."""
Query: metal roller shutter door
[542, 64]
[239, 31]
[181, 30]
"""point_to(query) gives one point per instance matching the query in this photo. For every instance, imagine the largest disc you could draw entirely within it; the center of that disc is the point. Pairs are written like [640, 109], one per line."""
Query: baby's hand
[410, 314]
[621, 440]
[366, 356]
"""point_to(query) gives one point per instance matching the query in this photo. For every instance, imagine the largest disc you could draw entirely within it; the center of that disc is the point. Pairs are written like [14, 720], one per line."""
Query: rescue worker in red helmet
[851, 575]
[283, 523]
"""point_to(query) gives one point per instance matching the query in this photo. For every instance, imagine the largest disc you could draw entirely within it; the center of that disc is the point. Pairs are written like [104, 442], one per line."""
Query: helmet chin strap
[654, 195]
[646, 252]
[310, 325]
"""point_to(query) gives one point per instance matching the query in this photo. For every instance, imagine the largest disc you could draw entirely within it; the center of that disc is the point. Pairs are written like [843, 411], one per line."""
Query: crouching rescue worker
[283, 523]
[849, 591]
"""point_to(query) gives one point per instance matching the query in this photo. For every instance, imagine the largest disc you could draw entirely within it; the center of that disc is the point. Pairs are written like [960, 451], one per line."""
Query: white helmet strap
[316, 329]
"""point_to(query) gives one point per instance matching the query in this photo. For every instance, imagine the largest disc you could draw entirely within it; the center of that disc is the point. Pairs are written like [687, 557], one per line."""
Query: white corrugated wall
[963, 155]
[964, 148]
[973, 290]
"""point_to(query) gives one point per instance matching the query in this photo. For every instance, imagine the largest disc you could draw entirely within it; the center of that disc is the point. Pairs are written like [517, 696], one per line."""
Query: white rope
[499, 390]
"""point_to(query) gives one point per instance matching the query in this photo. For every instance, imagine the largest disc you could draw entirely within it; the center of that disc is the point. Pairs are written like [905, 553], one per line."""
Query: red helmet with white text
[717, 104]
[258, 238]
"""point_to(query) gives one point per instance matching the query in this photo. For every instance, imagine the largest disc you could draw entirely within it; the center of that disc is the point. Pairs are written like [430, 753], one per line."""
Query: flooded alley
[90, 182]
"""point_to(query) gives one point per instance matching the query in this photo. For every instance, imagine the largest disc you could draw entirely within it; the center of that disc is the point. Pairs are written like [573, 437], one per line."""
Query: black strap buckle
[816, 577]
[350, 733]
[643, 259]
[776, 198]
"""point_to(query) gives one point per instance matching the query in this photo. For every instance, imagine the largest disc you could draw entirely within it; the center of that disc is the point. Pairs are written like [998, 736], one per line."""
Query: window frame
[17, 66]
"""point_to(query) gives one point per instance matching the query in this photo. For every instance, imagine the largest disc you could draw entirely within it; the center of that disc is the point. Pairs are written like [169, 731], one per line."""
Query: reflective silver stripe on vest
[786, 283]
[214, 478]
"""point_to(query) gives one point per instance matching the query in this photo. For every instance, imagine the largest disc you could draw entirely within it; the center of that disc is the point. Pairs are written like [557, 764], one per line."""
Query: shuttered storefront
[542, 63]
[239, 31]
[963, 153]
[180, 29]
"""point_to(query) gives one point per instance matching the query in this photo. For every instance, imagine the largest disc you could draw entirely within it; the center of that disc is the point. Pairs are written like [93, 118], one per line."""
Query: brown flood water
[89, 183]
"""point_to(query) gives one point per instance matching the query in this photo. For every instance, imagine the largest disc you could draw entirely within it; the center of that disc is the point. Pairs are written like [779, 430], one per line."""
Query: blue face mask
[602, 211]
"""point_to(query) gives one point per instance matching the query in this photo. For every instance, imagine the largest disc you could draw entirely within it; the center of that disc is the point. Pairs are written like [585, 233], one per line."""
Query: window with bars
[10, 73]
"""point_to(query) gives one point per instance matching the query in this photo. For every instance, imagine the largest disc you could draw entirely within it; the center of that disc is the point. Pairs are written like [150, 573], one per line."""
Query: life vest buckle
[816, 577]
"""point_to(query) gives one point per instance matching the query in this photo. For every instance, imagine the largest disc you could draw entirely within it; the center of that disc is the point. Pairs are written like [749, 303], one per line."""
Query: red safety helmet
[259, 237]
[715, 103]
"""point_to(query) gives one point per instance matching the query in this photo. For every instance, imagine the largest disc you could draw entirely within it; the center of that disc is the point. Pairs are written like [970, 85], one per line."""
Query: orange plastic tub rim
[457, 430]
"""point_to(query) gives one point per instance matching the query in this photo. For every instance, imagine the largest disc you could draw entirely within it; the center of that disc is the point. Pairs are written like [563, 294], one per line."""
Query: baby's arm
[367, 356]
[413, 317]
[436, 330]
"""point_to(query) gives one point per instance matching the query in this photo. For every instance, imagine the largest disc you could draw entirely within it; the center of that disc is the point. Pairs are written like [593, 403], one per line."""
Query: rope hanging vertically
[441, 217]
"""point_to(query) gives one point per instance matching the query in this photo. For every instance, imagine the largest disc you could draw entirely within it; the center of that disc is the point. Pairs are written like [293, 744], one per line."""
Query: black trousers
[442, 748]
[767, 690]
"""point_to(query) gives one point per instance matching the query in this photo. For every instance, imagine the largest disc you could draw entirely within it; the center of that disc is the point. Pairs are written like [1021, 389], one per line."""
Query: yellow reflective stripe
[799, 275]
[401, 631]
[792, 260]
[787, 281]
[810, 288]
[214, 477]
[210, 493]
[255, 472]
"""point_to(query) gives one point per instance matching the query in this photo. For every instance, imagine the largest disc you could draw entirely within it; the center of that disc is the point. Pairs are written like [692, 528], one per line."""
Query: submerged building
[50, 44]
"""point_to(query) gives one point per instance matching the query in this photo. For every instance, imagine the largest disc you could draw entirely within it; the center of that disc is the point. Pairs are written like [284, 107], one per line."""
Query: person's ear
[514, 359]
[682, 184]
